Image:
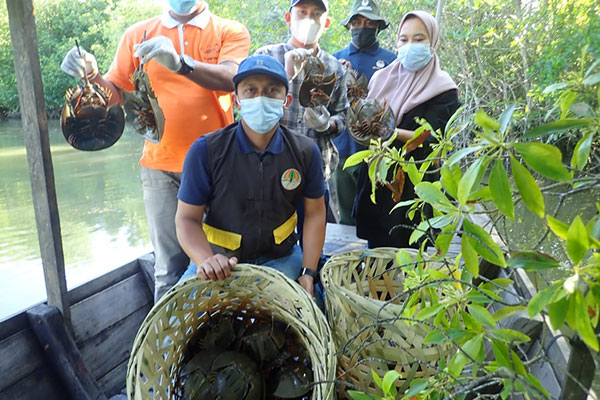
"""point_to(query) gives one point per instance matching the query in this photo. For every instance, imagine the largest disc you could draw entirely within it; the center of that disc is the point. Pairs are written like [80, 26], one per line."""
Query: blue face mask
[414, 56]
[183, 7]
[261, 114]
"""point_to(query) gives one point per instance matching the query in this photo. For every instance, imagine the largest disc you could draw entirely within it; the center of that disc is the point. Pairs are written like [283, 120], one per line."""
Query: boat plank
[114, 381]
[105, 309]
[41, 384]
[112, 346]
[20, 355]
[102, 282]
[13, 324]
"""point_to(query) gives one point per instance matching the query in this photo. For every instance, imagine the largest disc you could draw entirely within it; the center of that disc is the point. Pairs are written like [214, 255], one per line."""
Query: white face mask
[306, 31]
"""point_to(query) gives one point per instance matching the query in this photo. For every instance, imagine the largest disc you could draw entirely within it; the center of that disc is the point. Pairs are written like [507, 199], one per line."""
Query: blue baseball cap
[324, 4]
[261, 64]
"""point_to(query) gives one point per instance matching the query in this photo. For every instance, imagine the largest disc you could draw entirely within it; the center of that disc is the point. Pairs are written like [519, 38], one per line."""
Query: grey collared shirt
[337, 106]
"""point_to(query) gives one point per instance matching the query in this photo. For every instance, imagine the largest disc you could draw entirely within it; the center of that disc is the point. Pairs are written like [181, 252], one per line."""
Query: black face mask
[363, 37]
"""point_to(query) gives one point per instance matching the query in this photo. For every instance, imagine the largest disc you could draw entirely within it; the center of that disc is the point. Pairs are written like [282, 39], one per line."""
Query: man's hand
[307, 282]
[161, 49]
[216, 267]
[80, 65]
[294, 60]
[345, 63]
[317, 118]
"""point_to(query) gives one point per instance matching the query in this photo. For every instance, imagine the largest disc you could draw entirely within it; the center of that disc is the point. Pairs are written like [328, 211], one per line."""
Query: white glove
[78, 66]
[161, 49]
[294, 60]
[317, 118]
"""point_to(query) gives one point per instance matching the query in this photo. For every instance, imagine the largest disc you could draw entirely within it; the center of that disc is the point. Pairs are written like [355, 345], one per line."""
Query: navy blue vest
[252, 208]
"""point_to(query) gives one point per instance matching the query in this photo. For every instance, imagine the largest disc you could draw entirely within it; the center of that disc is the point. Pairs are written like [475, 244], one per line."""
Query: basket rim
[312, 322]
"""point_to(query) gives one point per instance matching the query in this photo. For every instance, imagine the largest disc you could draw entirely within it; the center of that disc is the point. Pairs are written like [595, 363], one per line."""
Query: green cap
[368, 9]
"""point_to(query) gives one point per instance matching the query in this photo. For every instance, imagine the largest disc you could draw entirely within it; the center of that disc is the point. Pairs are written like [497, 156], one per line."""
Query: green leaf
[357, 158]
[434, 196]
[581, 153]
[470, 257]
[487, 123]
[558, 312]
[356, 395]
[434, 337]
[533, 380]
[416, 387]
[510, 335]
[403, 258]
[532, 261]
[470, 322]
[506, 312]
[519, 367]
[500, 190]
[482, 315]
[430, 311]
[388, 380]
[412, 171]
[541, 299]
[592, 79]
[472, 347]
[505, 118]
[483, 244]
[583, 323]
[471, 179]
[544, 159]
[462, 153]
[444, 239]
[559, 228]
[557, 127]
[377, 379]
[593, 228]
[554, 86]
[501, 353]
[451, 175]
[577, 241]
[528, 188]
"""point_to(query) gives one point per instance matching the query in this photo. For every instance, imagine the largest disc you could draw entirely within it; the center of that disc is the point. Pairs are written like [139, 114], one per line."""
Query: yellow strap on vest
[228, 240]
[284, 230]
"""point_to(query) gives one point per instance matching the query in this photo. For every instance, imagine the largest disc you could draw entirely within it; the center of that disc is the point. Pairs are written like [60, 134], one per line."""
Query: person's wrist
[325, 128]
[305, 271]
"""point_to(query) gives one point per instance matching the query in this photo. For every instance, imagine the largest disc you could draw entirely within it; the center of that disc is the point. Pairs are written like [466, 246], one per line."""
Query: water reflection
[101, 210]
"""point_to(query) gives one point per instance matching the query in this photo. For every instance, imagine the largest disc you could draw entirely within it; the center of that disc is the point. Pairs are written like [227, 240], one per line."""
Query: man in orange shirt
[190, 56]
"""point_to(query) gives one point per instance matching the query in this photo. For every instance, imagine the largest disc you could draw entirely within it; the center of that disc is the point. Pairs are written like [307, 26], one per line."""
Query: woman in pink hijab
[414, 86]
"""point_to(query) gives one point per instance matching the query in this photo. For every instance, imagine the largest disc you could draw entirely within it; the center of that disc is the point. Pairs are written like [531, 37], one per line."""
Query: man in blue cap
[365, 56]
[249, 178]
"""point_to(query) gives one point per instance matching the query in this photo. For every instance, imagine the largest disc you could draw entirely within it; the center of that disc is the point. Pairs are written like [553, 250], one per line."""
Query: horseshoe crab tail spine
[87, 82]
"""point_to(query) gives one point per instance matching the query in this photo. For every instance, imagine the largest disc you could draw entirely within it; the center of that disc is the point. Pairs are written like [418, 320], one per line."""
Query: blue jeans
[289, 265]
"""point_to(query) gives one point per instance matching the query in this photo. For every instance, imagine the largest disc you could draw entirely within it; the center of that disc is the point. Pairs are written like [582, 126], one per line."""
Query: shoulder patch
[291, 179]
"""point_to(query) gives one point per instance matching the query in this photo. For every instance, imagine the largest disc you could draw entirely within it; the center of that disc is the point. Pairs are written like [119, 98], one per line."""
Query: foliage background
[498, 52]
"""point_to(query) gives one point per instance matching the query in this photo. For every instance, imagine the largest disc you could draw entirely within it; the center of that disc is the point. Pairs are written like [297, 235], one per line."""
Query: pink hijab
[404, 90]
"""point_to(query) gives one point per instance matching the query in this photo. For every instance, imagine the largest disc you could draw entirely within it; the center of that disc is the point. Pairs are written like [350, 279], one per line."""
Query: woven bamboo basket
[159, 346]
[357, 286]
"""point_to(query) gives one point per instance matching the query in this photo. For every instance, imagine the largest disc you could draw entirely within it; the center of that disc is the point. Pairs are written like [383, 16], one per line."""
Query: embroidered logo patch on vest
[291, 179]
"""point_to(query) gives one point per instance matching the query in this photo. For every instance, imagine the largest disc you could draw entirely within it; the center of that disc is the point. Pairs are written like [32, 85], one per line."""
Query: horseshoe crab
[142, 104]
[88, 122]
[291, 382]
[356, 86]
[316, 86]
[246, 358]
[222, 376]
[368, 119]
[262, 342]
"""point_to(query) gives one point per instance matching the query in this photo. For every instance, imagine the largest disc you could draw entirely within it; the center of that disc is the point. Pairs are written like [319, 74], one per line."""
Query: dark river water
[102, 216]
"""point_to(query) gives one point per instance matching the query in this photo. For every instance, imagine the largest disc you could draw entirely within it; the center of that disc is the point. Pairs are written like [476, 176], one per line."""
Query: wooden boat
[77, 345]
